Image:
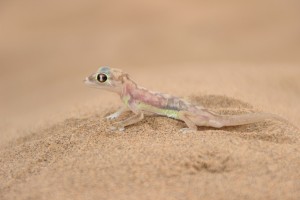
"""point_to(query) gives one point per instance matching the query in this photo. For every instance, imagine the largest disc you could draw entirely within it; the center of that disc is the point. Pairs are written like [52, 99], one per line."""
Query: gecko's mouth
[87, 81]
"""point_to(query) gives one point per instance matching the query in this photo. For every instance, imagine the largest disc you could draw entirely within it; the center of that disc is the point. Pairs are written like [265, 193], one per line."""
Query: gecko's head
[106, 78]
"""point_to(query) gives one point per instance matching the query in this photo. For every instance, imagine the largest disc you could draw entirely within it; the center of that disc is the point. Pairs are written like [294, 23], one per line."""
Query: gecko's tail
[219, 121]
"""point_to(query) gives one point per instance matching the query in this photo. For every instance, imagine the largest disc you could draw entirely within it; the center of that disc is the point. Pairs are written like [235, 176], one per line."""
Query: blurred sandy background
[249, 50]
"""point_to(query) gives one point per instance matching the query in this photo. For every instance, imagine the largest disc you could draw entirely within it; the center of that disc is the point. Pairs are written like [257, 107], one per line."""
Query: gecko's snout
[86, 80]
[89, 82]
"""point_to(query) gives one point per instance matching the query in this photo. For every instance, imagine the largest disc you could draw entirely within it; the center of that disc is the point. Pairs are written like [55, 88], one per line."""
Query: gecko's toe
[114, 129]
[121, 129]
[111, 117]
[187, 130]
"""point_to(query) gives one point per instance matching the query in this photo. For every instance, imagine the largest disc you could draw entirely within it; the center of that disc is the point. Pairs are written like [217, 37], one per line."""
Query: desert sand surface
[232, 57]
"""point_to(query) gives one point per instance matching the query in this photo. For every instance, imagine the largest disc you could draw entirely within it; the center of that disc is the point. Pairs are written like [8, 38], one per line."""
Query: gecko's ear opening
[124, 77]
[120, 75]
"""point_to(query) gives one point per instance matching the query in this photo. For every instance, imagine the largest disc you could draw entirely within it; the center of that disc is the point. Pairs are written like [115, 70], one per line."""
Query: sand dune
[80, 159]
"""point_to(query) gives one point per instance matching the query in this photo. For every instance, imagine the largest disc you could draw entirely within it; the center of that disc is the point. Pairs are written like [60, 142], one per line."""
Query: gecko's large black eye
[101, 78]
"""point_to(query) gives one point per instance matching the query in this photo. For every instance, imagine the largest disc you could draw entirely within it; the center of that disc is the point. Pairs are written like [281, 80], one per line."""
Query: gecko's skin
[142, 102]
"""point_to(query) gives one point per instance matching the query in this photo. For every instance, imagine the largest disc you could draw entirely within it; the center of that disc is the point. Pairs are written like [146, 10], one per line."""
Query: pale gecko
[143, 102]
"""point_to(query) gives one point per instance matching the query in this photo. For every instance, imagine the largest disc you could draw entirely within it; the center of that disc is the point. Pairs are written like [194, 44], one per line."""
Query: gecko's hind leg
[207, 118]
[131, 120]
[186, 117]
[193, 120]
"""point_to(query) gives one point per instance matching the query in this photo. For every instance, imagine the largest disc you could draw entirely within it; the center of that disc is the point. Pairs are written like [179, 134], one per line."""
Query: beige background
[245, 50]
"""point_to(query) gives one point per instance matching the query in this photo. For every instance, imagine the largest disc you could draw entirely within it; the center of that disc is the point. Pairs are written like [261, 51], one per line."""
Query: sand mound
[80, 159]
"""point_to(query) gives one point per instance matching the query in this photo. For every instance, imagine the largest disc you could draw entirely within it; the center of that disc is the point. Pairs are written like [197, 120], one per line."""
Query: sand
[78, 158]
[55, 142]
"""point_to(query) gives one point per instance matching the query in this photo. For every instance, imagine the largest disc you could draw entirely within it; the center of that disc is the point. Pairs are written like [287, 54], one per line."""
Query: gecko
[142, 102]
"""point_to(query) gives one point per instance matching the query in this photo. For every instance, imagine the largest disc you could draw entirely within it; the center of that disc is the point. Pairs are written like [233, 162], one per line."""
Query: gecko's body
[142, 101]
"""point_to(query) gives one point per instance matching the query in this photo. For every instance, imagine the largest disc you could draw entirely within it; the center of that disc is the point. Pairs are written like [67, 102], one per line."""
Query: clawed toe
[187, 130]
[114, 128]
[111, 117]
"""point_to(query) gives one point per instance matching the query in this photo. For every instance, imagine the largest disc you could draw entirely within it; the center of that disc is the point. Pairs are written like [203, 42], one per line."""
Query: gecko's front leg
[131, 120]
[117, 113]
[186, 117]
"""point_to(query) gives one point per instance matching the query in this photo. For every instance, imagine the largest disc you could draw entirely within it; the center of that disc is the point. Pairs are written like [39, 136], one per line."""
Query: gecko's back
[159, 103]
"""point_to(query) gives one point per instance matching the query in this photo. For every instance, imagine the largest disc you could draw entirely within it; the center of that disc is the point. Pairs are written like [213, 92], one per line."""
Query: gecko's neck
[128, 86]
[132, 92]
